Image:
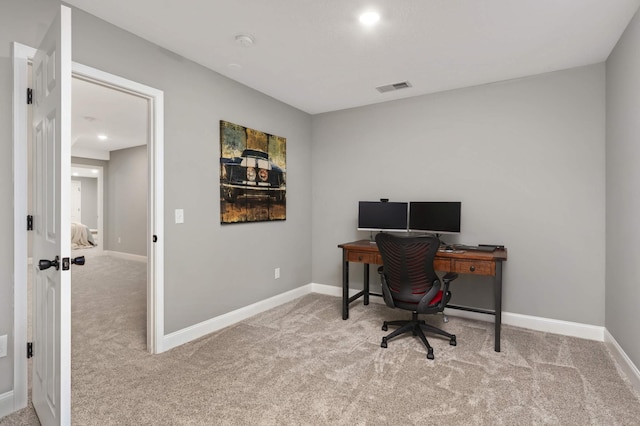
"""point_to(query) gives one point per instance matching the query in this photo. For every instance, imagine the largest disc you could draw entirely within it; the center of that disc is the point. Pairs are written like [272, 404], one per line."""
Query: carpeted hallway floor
[301, 364]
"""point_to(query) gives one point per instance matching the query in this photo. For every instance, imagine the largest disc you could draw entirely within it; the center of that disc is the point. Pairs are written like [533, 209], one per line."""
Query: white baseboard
[564, 328]
[331, 290]
[626, 365]
[196, 331]
[128, 256]
[548, 325]
[6, 404]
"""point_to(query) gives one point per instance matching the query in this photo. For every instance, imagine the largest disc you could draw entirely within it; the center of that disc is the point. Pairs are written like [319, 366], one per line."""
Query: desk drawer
[364, 257]
[476, 267]
[442, 265]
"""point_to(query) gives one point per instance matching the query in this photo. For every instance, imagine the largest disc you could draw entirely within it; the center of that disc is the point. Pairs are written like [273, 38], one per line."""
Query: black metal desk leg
[345, 286]
[366, 283]
[498, 304]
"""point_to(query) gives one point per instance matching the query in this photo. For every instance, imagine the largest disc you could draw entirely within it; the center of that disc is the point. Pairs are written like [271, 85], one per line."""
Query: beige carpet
[301, 364]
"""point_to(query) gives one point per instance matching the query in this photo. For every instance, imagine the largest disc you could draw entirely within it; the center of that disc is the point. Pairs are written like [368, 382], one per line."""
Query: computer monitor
[436, 217]
[382, 216]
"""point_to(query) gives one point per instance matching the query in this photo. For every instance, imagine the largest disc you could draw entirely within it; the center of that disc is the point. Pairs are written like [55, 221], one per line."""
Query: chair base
[415, 326]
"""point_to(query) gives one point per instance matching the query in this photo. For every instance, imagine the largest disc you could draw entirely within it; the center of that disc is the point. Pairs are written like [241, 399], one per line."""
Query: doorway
[91, 205]
[155, 219]
[155, 192]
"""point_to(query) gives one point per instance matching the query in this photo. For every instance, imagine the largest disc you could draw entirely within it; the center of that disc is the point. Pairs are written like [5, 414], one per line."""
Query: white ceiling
[316, 56]
[96, 109]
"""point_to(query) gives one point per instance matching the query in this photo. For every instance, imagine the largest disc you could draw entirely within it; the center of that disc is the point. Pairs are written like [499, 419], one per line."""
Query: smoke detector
[394, 86]
[245, 40]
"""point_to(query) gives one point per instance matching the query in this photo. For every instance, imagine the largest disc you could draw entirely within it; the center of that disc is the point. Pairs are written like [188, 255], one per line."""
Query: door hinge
[29, 96]
[29, 223]
[29, 350]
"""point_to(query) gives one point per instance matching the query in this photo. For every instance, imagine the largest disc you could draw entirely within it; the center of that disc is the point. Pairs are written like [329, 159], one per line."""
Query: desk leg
[498, 304]
[366, 283]
[345, 286]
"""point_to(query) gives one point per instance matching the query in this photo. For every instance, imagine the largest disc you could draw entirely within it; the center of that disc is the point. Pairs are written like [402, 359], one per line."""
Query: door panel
[51, 390]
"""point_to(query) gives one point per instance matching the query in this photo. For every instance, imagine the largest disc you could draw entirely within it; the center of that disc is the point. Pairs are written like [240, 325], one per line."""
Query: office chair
[409, 282]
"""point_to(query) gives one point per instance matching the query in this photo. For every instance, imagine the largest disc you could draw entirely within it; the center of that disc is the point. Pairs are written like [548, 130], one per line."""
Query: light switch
[179, 216]
[3, 346]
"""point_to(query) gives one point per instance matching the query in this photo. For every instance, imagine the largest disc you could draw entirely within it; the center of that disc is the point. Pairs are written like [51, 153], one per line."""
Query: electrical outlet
[119, 240]
[3, 346]
[276, 273]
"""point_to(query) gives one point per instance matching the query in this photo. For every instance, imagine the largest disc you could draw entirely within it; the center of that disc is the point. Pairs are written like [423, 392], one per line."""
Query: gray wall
[623, 192]
[525, 157]
[127, 207]
[24, 22]
[195, 100]
[209, 269]
[89, 201]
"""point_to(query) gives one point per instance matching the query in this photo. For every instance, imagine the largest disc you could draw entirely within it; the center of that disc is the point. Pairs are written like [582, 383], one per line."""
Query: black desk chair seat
[409, 282]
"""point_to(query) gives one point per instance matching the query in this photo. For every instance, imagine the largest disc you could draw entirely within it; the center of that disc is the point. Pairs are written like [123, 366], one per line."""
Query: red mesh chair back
[408, 268]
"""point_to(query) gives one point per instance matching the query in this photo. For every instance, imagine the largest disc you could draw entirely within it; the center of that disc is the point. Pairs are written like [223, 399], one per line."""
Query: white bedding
[81, 236]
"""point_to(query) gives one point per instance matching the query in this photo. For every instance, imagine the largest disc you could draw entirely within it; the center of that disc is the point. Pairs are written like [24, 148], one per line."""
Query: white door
[76, 201]
[51, 389]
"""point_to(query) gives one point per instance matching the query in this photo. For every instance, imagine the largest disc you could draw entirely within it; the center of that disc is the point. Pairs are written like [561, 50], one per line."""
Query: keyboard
[486, 248]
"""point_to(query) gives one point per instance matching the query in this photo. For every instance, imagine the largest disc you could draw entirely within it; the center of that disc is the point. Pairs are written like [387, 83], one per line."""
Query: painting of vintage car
[252, 175]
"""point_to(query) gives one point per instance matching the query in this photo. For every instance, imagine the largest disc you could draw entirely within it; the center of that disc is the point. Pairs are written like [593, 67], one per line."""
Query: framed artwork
[253, 168]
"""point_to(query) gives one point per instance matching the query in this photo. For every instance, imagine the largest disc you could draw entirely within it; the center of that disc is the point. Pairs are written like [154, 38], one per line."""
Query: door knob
[46, 264]
[78, 260]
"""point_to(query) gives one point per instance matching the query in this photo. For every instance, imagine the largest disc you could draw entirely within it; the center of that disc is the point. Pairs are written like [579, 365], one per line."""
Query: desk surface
[495, 256]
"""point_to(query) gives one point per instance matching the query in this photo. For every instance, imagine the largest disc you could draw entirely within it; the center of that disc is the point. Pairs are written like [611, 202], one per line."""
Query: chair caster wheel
[384, 343]
[430, 355]
[384, 326]
[453, 342]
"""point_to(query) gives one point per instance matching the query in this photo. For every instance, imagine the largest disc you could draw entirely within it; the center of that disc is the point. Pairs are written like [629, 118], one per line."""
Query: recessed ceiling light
[369, 18]
[102, 137]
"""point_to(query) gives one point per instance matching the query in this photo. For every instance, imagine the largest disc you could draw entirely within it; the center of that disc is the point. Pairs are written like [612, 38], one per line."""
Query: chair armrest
[450, 276]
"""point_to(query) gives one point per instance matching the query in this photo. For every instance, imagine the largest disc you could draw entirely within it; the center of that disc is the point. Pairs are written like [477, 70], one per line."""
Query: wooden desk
[467, 262]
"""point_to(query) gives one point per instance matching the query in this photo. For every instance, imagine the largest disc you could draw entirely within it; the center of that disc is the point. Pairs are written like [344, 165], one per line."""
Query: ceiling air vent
[394, 86]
